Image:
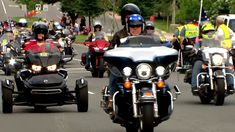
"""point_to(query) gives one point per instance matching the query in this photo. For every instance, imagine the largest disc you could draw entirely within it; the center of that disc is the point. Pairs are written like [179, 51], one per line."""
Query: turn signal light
[160, 84]
[127, 85]
[231, 67]
[203, 66]
[147, 94]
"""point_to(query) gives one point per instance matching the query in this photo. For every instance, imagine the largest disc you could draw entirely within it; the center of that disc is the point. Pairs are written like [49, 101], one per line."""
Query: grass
[29, 20]
[80, 38]
[162, 25]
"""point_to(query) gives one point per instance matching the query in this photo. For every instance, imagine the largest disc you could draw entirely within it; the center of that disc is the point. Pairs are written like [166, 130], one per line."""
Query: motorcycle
[211, 81]
[186, 56]
[42, 83]
[66, 42]
[10, 52]
[97, 49]
[142, 99]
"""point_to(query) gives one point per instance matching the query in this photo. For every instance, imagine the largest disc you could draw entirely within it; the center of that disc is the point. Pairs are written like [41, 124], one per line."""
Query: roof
[229, 16]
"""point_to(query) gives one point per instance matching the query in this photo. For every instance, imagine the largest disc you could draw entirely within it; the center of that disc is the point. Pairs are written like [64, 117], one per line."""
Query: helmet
[129, 9]
[135, 20]
[97, 24]
[57, 26]
[22, 22]
[207, 27]
[149, 25]
[40, 27]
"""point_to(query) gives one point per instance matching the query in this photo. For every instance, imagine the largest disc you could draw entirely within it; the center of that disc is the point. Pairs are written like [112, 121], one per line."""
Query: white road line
[4, 8]
[13, 5]
[58, 16]
[77, 59]
[90, 92]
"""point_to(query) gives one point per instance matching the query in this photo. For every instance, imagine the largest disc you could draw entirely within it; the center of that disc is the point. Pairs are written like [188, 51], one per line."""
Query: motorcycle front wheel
[219, 91]
[147, 119]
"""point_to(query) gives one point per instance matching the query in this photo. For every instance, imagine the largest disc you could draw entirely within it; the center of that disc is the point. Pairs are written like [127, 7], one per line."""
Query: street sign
[38, 7]
[45, 7]
[24, 7]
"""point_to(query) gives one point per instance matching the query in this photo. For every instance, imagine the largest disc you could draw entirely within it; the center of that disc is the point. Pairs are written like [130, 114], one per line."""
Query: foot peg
[177, 92]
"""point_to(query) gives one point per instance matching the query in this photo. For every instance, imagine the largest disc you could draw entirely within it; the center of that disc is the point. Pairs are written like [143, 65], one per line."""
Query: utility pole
[173, 11]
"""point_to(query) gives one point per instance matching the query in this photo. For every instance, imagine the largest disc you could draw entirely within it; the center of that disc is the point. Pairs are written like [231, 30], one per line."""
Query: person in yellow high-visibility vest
[188, 34]
[223, 33]
[176, 36]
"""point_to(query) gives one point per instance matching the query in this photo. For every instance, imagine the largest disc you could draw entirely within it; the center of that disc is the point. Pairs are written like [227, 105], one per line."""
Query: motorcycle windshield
[129, 56]
[44, 59]
[140, 41]
[209, 40]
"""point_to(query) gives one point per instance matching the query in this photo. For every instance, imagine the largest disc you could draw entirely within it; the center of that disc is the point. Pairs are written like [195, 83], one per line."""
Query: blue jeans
[197, 68]
[88, 58]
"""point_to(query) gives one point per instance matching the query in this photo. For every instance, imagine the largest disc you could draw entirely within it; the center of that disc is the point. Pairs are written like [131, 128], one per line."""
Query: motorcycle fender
[81, 83]
[219, 74]
[8, 84]
[147, 97]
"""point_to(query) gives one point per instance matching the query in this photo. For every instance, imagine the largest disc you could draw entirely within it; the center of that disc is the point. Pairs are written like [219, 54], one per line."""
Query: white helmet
[97, 23]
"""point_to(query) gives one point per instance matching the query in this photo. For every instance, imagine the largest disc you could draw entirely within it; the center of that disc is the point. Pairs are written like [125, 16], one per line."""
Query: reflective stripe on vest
[191, 31]
[226, 43]
[179, 30]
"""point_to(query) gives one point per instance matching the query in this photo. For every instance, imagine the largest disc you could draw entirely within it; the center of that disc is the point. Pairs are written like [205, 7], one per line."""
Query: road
[9, 9]
[188, 115]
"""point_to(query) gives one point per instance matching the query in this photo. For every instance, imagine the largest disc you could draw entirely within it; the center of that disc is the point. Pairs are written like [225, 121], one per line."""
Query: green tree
[188, 9]
[90, 8]
[30, 3]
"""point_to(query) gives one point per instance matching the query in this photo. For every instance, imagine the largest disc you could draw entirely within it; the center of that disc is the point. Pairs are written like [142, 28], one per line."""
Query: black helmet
[129, 9]
[40, 27]
[135, 20]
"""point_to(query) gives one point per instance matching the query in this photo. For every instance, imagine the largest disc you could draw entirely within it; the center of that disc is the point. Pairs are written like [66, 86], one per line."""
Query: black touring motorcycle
[42, 83]
[142, 99]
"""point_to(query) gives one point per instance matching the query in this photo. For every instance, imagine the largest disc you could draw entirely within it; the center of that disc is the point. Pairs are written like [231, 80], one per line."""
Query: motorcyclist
[41, 43]
[6, 38]
[176, 36]
[92, 35]
[207, 33]
[135, 26]
[126, 11]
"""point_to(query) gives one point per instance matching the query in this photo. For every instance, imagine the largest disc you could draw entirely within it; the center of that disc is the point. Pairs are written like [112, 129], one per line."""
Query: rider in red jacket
[41, 43]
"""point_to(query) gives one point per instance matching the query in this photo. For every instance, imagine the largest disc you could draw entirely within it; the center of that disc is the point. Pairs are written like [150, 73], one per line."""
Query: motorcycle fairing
[129, 55]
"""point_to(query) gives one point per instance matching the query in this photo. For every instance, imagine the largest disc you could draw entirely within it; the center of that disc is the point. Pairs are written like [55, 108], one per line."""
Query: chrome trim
[46, 91]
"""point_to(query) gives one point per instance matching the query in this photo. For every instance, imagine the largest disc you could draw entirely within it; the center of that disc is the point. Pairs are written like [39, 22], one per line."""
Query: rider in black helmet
[126, 11]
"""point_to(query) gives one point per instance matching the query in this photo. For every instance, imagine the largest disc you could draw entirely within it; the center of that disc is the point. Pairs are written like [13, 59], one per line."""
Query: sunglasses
[149, 28]
[135, 26]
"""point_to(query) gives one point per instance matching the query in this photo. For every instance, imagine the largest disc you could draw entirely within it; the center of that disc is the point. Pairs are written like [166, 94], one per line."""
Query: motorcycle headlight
[51, 68]
[217, 59]
[144, 71]
[160, 70]
[127, 71]
[36, 68]
[12, 61]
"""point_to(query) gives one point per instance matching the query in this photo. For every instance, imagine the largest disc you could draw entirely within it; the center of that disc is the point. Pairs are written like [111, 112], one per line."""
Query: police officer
[188, 34]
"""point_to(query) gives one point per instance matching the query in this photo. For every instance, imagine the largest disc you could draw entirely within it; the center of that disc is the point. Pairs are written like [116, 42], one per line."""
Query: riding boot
[110, 104]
